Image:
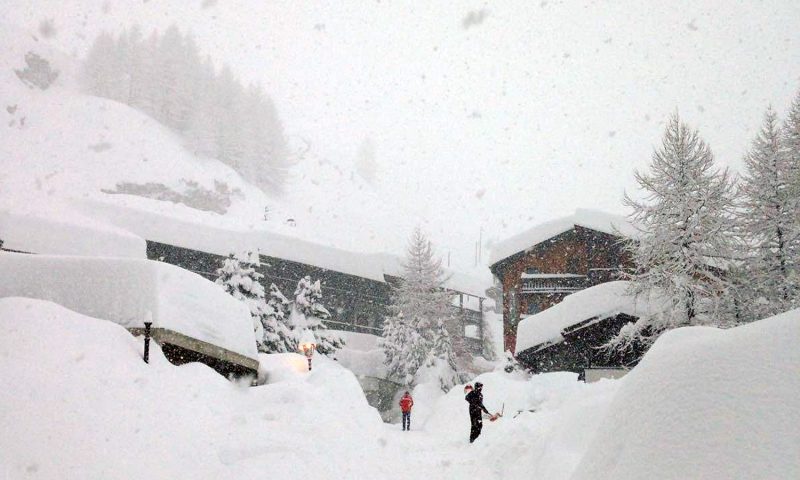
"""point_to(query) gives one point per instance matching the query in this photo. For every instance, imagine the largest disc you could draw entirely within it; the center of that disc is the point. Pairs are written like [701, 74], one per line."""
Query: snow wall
[129, 291]
[706, 403]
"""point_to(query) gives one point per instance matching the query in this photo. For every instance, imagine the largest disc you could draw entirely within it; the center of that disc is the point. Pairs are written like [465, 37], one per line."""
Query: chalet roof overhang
[523, 242]
[569, 333]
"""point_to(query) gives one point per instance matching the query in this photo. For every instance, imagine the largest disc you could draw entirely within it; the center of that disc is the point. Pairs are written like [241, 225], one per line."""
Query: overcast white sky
[493, 115]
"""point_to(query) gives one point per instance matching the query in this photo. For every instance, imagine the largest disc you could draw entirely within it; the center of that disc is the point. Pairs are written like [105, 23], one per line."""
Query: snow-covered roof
[592, 219]
[224, 240]
[131, 291]
[601, 301]
[530, 276]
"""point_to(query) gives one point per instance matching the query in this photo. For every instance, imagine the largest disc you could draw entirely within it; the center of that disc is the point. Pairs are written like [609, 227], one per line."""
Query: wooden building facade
[356, 303]
[568, 257]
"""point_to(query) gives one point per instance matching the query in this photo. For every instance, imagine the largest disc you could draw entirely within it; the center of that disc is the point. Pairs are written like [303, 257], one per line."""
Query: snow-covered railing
[548, 287]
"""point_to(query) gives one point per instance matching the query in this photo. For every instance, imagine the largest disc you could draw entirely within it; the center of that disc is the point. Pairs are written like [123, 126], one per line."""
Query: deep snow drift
[79, 403]
[707, 403]
[130, 292]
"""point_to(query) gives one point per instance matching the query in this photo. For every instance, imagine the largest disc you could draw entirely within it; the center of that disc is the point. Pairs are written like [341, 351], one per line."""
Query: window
[533, 308]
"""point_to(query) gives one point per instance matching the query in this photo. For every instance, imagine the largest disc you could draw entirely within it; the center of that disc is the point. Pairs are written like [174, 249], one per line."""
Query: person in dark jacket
[476, 410]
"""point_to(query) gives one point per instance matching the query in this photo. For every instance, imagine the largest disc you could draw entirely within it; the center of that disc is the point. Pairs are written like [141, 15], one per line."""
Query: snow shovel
[498, 414]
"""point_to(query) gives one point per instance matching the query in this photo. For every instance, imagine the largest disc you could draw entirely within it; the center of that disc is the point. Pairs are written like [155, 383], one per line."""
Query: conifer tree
[278, 336]
[164, 77]
[768, 220]
[790, 134]
[238, 276]
[309, 313]
[419, 306]
[685, 236]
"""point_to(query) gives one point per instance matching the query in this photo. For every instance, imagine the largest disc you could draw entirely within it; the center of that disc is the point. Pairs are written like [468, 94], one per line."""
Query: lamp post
[147, 341]
[307, 345]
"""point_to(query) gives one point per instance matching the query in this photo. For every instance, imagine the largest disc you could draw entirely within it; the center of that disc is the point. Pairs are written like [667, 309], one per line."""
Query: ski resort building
[540, 267]
[356, 288]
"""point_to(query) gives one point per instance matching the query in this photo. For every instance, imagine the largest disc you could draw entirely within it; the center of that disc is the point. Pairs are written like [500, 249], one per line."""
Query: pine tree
[309, 313]
[238, 276]
[767, 221]
[420, 304]
[685, 227]
[278, 335]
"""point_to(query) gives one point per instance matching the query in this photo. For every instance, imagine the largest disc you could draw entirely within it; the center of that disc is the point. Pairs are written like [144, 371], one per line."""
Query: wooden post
[147, 341]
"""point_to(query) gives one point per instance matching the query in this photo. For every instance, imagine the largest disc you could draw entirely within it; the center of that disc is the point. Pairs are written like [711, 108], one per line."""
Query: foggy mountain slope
[59, 145]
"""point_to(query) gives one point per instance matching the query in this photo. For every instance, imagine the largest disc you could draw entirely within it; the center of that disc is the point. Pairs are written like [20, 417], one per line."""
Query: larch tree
[420, 306]
[309, 313]
[768, 223]
[790, 136]
[685, 237]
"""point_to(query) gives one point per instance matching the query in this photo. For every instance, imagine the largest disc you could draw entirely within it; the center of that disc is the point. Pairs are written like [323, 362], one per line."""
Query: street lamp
[307, 345]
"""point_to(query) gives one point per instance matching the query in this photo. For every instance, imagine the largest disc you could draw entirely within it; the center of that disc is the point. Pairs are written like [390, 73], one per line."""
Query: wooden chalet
[540, 267]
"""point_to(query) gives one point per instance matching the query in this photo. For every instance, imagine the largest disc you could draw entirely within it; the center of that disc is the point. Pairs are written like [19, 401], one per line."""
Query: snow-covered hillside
[62, 149]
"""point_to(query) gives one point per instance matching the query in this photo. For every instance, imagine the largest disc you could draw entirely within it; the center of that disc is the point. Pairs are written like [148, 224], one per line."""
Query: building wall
[356, 304]
[596, 256]
[562, 254]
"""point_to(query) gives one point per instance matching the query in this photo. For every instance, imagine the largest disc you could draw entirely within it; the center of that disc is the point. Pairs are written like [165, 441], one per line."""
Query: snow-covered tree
[405, 349]
[238, 276]
[791, 143]
[685, 236]
[768, 222]
[165, 77]
[309, 313]
[441, 358]
[278, 335]
[420, 306]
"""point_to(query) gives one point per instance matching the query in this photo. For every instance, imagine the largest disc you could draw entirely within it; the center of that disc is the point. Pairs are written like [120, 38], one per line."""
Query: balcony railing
[549, 286]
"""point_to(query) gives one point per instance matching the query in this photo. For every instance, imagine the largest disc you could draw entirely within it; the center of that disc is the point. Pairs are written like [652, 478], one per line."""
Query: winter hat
[467, 388]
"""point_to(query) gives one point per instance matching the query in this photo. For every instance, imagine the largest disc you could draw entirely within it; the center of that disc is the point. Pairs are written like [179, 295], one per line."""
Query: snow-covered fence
[129, 292]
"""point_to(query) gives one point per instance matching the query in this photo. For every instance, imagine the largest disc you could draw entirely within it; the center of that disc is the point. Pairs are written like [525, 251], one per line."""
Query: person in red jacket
[406, 402]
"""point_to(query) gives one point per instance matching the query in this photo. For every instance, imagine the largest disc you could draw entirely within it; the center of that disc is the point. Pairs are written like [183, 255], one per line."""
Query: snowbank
[593, 219]
[362, 355]
[128, 291]
[601, 301]
[80, 403]
[706, 403]
[548, 422]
